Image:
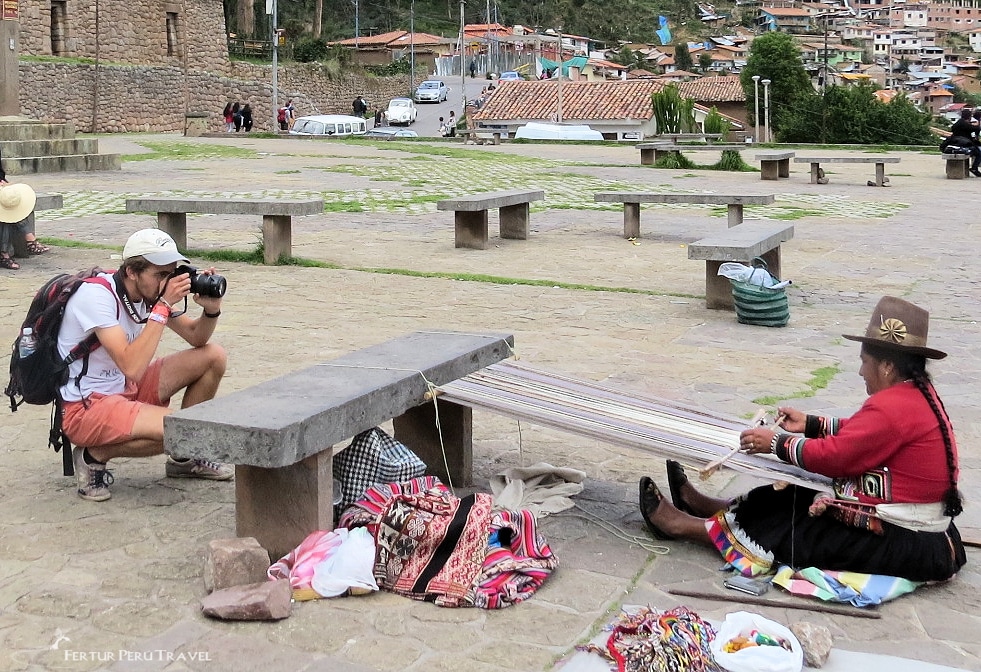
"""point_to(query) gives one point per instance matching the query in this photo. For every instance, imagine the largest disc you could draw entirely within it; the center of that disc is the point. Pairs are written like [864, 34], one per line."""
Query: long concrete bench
[741, 243]
[277, 217]
[44, 202]
[774, 165]
[956, 165]
[470, 215]
[632, 200]
[481, 135]
[817, 174]
[280, 434]
[652, 152]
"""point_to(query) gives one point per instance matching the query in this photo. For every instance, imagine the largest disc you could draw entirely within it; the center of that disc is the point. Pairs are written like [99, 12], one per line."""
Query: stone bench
[686, 137]
[280, 434]
[632, 200]
[817, 174]
[470, 215]
[277, 217]
[652, 152]
[741, 243]
[956, 165]
[44, 202]
[774, 165]
[481, 134]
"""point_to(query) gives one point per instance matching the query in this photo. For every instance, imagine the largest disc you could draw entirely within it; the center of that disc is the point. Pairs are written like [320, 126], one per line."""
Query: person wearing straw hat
[16, 204]
[894, 466]
[23, 227]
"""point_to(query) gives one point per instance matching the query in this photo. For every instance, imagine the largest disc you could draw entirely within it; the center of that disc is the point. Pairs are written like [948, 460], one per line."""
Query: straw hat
[16, 202]
[900, 326]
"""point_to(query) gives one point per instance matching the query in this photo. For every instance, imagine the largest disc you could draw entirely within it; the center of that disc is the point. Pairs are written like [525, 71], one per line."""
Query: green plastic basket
[758, 305]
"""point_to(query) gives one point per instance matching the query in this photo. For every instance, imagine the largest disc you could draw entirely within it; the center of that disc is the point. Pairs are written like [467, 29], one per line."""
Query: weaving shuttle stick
[713, 467]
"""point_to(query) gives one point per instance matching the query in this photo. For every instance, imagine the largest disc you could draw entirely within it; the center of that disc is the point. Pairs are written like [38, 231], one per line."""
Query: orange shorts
[103, 420]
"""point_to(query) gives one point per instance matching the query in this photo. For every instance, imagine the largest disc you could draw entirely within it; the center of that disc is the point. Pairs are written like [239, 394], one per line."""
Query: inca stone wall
[132, 98]
[134, 31]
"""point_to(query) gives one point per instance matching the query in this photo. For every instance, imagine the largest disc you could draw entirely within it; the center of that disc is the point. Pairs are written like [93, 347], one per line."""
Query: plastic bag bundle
[747, 642]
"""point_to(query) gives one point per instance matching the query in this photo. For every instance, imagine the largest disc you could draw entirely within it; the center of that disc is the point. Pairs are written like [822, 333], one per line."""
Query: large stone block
[266, 601]
[234, 562]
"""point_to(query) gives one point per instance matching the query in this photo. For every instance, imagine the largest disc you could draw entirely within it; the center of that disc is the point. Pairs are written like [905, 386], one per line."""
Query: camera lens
[209, 285]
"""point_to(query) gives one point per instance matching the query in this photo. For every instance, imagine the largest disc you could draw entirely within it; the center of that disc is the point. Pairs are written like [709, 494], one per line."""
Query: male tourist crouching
[116, 398]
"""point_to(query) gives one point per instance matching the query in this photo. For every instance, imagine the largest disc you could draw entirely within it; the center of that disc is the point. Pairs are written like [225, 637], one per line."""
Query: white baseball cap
[153, 245]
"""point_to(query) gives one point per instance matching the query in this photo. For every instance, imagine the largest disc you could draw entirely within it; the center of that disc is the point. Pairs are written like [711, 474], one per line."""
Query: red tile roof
[393, 38]
[714, 90]
[630, 99]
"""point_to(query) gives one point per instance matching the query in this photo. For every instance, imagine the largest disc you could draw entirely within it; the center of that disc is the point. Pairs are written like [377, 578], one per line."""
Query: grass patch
[286, 172]
[451, 152]
[343, 206]
[180, 151]
[790, 214]
[819, 380]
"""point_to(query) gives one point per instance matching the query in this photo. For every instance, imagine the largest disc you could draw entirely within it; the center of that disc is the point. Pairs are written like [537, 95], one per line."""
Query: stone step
[61, 164]
[13, 149]
[15, 128]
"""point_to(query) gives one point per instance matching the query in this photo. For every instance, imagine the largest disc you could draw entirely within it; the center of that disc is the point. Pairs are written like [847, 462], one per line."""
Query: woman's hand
[794, 420]
[756, 440]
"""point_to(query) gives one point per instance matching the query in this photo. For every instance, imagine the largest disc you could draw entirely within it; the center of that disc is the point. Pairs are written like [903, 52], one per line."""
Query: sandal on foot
[35, 247]
[7, 262]
[676, 479]
[650, 499]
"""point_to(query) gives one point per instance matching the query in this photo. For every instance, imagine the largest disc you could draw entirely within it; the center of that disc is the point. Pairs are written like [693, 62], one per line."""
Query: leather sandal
[6, 261]
[35, 247]
[677, 478]
[650, 499]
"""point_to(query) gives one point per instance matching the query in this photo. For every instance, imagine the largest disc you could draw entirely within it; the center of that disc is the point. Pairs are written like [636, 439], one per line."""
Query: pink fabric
[298, 564]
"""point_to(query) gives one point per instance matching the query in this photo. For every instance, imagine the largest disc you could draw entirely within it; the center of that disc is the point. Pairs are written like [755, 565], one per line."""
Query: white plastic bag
[349, 567]
[756, 658]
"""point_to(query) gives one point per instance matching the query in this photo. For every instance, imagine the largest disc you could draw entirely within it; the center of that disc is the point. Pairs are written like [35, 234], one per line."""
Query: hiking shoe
[93, 479]
[212, 471]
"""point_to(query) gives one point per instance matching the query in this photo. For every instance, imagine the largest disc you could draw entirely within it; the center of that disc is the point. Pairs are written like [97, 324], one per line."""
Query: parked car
[510, 75]
[431, 91]
[329, 124]
[390, 133]
[401, 111]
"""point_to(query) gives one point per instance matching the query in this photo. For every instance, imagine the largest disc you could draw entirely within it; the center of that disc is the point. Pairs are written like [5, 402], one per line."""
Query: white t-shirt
[94, 306]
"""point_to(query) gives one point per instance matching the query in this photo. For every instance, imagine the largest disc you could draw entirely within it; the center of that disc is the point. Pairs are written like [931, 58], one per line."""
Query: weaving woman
[894, 465]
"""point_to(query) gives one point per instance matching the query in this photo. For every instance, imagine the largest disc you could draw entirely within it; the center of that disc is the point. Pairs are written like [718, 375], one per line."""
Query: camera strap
[124, 297]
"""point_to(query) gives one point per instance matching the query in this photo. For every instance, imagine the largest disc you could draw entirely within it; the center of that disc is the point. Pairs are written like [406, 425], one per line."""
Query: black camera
[203, 285]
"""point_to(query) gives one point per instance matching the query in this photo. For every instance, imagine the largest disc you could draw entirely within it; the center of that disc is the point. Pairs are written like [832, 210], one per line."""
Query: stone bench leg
[735, 212]
[174, 224]
[280, 507]
[783, 168]
[647, 157]
[631, 220]
[956, 169]
[815, 172]
[471, 229]
[770, 170]
[416, 428]
[514, 221]
[718, 290]
[497, 138]
[880, 174]
[277, 237]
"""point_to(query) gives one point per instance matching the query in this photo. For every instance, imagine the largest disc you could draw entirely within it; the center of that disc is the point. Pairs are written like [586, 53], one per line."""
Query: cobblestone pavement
[88, 586]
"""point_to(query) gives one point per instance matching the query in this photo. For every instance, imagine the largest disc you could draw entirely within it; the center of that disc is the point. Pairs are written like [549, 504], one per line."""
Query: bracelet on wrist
[166, 303]
[774, 442]
[213, 315]
[157, 316]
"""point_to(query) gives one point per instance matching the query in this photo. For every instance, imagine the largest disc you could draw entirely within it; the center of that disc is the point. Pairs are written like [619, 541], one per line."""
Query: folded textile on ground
[540, 488]
[860, 590]
[434, 546]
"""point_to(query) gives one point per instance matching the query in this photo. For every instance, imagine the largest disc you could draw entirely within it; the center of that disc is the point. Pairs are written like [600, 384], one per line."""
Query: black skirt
[768, 527]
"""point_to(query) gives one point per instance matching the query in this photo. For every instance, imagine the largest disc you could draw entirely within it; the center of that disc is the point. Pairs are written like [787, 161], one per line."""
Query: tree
[704, 62]
[682, 59]
[776, 56]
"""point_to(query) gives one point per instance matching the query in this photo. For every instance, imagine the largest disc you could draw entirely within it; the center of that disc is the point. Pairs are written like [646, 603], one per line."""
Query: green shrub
[310, 49]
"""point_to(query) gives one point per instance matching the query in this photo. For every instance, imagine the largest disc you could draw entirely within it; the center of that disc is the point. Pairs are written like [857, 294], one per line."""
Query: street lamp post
[756, 104]
[412, 49]
[766, 107]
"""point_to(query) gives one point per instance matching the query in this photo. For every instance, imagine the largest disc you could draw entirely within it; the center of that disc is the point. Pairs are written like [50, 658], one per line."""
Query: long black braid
[913, 367]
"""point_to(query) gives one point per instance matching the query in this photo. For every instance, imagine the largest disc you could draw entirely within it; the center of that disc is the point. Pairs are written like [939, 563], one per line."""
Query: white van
[332, 125]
